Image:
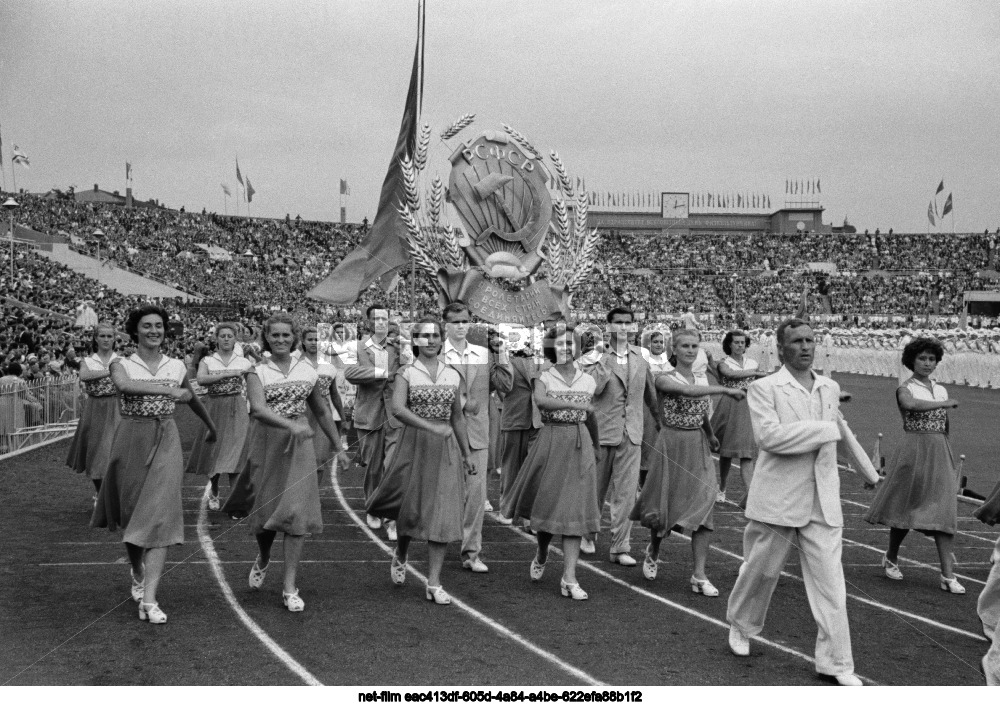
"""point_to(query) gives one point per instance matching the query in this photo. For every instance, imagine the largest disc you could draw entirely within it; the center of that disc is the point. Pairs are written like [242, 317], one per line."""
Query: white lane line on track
[867, 601]
[497, 627]
[213, 559]
[677, 606]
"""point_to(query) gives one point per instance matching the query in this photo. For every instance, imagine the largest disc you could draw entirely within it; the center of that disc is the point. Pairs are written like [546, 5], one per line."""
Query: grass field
[67, 616]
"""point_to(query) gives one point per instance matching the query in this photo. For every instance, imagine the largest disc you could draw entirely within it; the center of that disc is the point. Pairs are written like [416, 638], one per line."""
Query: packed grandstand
[241, 268]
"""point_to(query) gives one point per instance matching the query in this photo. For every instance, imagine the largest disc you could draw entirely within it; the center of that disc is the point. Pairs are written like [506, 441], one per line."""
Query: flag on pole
[20, 158]
[947, 206]
[345, 190]
[250, 191]
[939, 189]
[128, 171]
[225, 190]
[930, 213]
[818, 189]
[385, 248]
[239, 177]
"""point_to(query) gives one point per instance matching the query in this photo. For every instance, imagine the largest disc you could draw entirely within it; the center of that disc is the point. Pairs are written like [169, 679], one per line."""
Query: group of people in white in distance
[573, 430]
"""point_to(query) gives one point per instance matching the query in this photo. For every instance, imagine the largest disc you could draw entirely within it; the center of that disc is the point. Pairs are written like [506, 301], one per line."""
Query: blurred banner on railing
[32, 413]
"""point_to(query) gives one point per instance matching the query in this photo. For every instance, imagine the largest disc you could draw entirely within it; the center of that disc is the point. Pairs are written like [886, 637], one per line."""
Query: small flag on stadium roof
[250, 191]
[345, 190]
[239, 177]
[930, 213]
[947, 206]
[940, 188]
[128, 171]
[818, 190]
[19, 157]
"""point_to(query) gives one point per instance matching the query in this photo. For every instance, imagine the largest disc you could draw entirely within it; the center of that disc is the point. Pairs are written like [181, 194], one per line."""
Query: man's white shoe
[390, 530]
[624, 559]
[475, 565]
[738, 642]
[842, 679]
[373, 522]
[489, 506]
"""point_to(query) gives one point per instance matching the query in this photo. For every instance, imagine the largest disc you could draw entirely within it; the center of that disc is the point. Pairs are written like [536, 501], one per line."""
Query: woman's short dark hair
[727, 342]
[132, 323]
[424, 320]
[918, 346]
[279, 317]
[551, 334]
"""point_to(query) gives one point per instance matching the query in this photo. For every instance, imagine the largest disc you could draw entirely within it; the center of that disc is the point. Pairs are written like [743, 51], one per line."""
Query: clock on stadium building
[675, 205]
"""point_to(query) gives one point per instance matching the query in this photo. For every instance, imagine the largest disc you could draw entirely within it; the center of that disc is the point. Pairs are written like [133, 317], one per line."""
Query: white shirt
[346, 351]
[472, 355]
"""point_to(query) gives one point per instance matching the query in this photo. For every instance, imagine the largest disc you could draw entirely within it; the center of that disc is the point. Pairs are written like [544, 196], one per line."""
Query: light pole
[98, 234]
[9, 205]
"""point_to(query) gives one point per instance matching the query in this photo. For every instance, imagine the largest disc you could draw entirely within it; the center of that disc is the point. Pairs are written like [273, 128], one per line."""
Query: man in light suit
[794, 500]
[624, 385]
[480, 376]
[377, 364]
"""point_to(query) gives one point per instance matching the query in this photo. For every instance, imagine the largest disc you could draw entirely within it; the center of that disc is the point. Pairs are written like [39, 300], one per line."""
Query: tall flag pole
[225, 198]
[3, 171]
[384, 249]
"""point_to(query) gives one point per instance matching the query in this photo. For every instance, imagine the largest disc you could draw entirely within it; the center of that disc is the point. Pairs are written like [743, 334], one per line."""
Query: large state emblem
[513, 256]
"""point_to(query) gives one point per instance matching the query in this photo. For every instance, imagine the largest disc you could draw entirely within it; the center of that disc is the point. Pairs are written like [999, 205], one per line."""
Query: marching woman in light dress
[921, 479]
[731, 419]
[141, 492]
[278, 489]
[91, 448]
[681, 487]
[327, 381]
[423, 487]
[556, 487]
[222, 376]
[655, 353]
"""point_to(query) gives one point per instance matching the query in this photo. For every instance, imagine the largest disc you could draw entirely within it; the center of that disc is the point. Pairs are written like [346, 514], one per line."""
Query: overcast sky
[878, 100]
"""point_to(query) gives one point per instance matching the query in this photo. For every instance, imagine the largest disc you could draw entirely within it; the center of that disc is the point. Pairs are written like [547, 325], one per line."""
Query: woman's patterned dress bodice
[170, 373]
[580, 390]
[680, 412]
[431, 401]
[101, 387]
[737, 383]
[431, 397]
[286, 395]
[931, 421]
[231, 385]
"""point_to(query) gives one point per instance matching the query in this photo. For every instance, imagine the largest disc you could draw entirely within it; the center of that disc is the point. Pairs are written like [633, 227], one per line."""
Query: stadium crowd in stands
[263, 264]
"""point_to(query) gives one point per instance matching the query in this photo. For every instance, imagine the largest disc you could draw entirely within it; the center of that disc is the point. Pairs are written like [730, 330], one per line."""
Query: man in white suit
[794, 501]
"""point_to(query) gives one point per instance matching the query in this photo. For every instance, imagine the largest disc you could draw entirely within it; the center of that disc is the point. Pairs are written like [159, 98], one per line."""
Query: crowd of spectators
[850, 252]
[272, 263]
